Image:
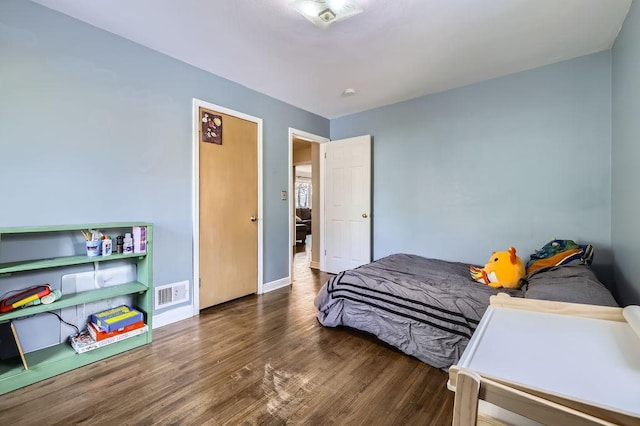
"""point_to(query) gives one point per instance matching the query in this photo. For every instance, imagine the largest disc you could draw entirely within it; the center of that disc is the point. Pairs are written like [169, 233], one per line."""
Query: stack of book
[110, 326]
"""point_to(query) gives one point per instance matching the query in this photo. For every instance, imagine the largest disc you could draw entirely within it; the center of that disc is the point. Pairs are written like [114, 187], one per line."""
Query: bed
[429, 308]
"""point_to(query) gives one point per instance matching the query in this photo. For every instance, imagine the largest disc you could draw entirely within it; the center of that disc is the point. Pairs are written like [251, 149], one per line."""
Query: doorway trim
[310, 137]
[195, 195]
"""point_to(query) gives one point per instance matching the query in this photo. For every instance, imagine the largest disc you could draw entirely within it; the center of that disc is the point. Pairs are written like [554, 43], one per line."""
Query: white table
[583, 357]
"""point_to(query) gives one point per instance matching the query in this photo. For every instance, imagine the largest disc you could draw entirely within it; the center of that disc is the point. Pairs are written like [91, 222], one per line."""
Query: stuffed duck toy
[504, 269]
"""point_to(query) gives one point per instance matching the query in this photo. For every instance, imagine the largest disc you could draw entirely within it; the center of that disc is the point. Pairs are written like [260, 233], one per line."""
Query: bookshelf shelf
[77, 299]
[57, 359]
[31, 265]
[59, 228]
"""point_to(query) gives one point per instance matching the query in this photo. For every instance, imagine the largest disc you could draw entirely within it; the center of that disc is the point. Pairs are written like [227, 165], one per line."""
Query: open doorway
[305, 209]
[303, 199]
[303, 196]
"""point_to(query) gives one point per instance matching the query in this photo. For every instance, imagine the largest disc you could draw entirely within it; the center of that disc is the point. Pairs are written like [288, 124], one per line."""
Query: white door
[347, 203]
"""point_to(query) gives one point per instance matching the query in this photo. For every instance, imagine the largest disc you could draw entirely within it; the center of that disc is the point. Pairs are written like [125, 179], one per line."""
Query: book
[98, 335]
[116, 318]
[83, 342]
[139, 239]
[10, 344]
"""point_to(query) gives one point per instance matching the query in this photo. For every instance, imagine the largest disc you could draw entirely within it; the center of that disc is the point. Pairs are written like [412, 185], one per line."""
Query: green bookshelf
[54, 360]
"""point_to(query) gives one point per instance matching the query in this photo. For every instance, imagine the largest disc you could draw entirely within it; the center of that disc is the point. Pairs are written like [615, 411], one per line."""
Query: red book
[98, 335]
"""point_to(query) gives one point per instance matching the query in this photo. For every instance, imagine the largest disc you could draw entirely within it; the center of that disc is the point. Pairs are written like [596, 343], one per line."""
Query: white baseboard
[274, 285]
[314, 265]
[172, 315]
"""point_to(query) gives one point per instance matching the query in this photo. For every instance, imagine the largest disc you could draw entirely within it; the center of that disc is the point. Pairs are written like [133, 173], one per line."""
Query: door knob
[253, 218]
[364, 215]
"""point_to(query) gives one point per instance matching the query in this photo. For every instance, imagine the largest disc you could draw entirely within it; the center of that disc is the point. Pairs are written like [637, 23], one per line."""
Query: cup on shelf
[93, 248]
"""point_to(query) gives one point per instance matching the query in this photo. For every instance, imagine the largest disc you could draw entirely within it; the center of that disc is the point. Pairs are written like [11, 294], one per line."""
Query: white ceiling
[395, 50]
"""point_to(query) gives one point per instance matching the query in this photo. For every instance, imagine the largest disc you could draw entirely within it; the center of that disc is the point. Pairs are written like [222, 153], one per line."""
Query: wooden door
[228, 211]
[347, 188]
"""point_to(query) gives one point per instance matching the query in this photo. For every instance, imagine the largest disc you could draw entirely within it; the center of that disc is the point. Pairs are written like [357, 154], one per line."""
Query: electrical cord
[59, 318]
[63, 321]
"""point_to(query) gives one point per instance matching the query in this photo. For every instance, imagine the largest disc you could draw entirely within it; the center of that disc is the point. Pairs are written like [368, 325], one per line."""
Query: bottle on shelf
[127, 243]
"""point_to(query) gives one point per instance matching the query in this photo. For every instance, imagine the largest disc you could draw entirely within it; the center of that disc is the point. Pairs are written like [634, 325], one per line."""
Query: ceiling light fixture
[323, 13]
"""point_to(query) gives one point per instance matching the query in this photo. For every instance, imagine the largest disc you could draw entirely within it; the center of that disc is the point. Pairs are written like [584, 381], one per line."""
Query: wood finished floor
[258, 360]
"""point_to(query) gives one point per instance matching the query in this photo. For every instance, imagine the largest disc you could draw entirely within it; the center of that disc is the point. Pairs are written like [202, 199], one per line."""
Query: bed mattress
[427, 308]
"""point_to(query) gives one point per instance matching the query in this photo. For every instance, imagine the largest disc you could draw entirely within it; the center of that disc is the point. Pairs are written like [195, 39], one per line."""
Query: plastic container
[107, 247]
[127, 243]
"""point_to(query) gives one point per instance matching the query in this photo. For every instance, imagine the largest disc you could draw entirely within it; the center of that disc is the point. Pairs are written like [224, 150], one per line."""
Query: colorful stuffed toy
[504, 269]
[559, 252]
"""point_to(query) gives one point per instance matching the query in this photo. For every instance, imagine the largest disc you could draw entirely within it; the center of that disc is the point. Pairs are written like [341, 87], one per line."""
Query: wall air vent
[172, 294]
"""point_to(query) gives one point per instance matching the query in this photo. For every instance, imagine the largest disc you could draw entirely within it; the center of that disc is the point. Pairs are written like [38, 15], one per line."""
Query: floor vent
[172, 294]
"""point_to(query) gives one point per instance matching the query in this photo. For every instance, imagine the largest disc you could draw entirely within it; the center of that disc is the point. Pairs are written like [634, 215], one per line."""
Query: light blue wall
[516, 160]
[512, 161]
[625, 156]
[96, 128]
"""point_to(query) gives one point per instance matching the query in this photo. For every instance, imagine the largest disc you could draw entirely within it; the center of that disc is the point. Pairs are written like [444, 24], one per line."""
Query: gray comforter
[427, 308]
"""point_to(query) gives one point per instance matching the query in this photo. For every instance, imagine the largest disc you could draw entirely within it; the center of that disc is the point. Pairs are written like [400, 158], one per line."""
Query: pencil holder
[93, 248]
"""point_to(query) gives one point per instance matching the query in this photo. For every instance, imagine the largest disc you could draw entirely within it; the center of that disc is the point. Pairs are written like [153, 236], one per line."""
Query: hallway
[301, 259]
